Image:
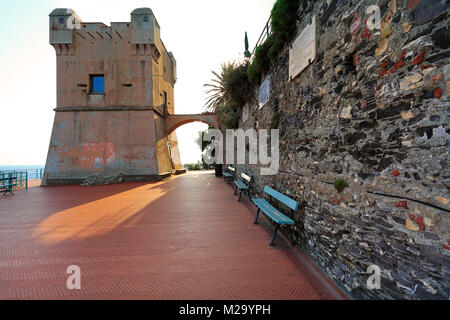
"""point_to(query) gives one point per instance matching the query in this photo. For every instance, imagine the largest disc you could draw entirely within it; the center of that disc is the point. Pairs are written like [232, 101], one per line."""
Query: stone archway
[175, 121]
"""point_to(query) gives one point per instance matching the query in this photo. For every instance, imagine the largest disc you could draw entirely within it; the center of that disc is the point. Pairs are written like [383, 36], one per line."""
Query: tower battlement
[68, 32]
[126, 54]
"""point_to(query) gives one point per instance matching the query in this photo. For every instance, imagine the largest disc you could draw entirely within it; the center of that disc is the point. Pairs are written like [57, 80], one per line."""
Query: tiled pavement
[183, 238]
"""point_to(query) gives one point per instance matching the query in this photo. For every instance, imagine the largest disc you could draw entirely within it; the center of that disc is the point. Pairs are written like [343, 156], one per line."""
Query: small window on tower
[97, 84]
[61, 20]
[145, 18]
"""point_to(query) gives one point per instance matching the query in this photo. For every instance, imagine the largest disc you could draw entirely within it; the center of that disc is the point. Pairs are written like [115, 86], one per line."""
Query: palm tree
[217, 89]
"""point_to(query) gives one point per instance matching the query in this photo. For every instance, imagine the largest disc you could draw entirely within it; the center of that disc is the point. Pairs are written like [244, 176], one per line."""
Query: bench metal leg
[271, 243]
[240, 195]
[7, 189]
[257, 216]
[235, 190]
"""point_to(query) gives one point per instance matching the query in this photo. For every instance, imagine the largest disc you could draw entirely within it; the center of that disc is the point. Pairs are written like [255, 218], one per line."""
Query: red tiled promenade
[184, 238]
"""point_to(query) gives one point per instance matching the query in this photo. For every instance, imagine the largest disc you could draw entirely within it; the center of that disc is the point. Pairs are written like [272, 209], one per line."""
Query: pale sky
[200, 33]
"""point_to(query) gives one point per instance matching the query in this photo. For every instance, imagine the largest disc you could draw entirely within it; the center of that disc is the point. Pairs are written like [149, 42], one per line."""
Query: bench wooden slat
[240, 185]
[272, 213]
[282, 198]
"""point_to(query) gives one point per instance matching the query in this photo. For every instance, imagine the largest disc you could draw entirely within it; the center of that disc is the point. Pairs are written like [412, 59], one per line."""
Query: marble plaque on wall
[264, 92]
[303, 50]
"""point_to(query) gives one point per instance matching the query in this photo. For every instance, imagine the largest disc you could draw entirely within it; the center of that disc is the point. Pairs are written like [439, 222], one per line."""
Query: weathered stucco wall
[87, 143]
[371, 110]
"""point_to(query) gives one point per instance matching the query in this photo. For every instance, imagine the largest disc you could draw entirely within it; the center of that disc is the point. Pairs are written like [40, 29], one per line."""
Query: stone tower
[115, 87]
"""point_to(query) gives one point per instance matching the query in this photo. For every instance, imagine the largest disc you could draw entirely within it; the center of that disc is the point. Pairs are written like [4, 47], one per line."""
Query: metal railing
[264, 35]
[16, 180]
[22, 176]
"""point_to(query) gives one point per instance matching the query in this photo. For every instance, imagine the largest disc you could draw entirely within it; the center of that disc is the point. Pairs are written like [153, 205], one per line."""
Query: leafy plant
[340, 185]
[237, 87]
[261, 62]
[193, 166]
[284, 17]
[217, 88]
[229, 92]
[284, 28]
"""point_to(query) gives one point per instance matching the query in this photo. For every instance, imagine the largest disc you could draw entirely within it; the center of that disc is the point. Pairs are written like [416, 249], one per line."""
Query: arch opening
[175, 121]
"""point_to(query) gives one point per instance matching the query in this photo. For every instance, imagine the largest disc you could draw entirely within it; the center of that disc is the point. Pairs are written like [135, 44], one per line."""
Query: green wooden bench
[243, 184]
[229, 174]
[7, 183]
[274, 214]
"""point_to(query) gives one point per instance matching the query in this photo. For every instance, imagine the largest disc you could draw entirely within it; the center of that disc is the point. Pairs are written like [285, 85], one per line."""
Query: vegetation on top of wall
[217, 89]
[284, 27]
[284, 17]
[261, 63]
[234, 86]
[237, 87]
[229, 91]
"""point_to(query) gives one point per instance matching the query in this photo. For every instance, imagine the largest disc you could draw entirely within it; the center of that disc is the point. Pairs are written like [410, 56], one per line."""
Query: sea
[34, 171]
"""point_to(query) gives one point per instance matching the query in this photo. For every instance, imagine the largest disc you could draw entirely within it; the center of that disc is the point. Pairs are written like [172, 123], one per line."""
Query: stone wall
[371, 110]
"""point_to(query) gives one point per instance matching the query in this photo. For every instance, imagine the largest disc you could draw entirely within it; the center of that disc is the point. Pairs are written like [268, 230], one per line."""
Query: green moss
[340, 185]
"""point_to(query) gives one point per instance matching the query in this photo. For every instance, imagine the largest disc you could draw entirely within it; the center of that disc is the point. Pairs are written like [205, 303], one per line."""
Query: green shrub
[284, 17]
[229, 92]
[193, 166]
[340, 185]
[260, 64]
[237, 86]
[274, 51]
[284, 28]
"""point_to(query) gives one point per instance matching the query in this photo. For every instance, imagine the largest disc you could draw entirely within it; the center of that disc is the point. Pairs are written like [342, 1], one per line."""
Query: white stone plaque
[264, 93]
[303, 50]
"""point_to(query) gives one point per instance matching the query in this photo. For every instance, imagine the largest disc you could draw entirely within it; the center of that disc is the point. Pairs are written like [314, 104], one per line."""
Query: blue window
[98, 84]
